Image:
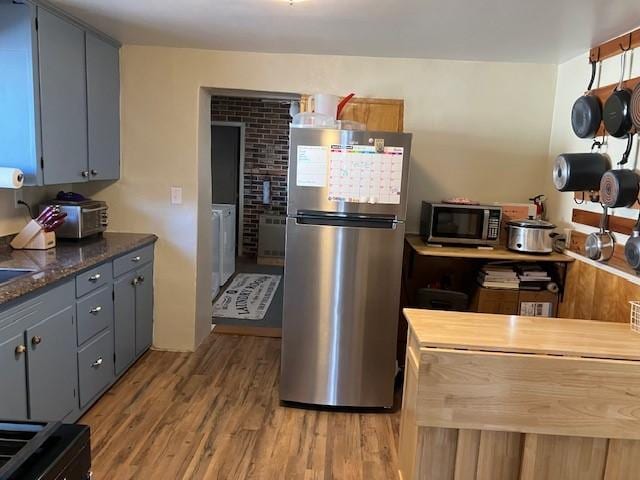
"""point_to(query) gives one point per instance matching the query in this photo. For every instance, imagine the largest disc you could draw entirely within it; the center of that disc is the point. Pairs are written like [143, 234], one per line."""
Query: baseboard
[251, 331]
[276, 261]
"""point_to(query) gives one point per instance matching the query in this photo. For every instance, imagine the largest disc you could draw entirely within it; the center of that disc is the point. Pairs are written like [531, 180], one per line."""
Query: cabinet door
[144, 308]
[52, 367]
[103, 108]
[124, 321]
[13, 379]
[63, 99]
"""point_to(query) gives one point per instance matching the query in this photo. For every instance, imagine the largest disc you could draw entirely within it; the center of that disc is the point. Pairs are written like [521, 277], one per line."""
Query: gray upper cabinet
[103, 108]
[52, 371]
[13, 394]
[63, 99]
[59, 95]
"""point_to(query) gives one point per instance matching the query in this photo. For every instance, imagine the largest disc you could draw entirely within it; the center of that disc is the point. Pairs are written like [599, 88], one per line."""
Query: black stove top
[44, 451]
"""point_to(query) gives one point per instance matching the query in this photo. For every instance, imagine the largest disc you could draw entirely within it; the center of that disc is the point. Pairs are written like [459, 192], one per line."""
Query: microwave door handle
[485, 225]
[89, 210]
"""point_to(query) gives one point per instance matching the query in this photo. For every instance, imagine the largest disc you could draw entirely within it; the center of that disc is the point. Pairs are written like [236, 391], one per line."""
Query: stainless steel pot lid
[531, 223]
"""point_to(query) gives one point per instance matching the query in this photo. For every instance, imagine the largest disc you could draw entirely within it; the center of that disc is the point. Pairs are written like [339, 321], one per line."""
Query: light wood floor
[215, 414]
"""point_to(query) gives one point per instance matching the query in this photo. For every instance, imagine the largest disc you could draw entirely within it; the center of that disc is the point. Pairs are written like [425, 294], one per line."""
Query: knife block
[33, 237]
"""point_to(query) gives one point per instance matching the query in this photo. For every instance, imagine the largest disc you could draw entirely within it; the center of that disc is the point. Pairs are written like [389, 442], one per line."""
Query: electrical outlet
[18, 196]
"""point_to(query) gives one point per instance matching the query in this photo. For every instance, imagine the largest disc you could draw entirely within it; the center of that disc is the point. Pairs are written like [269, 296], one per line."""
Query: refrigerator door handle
[347, 221]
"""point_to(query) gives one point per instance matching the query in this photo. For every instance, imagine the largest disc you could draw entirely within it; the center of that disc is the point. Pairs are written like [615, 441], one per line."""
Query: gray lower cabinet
[51, 358]
[61, 349]
[133, 306]
[13, 377]
[95, 367]
[144, 308]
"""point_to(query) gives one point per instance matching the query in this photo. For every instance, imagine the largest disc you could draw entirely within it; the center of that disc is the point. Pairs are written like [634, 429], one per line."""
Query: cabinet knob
[20, 349]
[136, 259]
[36, 340]
[141, 278]
[84, 173]
[94, 172]
[95, 278]
[95, 310]
[97, 363]
[135, 281]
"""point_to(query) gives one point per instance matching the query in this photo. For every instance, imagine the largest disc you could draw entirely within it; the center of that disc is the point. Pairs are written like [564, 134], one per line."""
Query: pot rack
[608, 49]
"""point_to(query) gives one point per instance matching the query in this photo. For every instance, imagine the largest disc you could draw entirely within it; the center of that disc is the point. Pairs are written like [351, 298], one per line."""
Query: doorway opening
[249, 166]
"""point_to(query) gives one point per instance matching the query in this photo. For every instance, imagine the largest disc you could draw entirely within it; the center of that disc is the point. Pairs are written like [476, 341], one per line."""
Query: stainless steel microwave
[460, 224]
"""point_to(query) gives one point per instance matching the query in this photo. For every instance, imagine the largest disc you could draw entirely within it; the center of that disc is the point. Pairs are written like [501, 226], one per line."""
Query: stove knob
[20, 349]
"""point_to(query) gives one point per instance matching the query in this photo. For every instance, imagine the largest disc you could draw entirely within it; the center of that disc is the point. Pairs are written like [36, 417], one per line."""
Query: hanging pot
[632, 247]
[617, 109]
[619, 188]
[578, 172]
[635, 107]
[599, 246]
[586, 113]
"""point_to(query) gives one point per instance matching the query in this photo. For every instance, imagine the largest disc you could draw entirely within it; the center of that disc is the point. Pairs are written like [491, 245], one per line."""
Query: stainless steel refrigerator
[347, 201]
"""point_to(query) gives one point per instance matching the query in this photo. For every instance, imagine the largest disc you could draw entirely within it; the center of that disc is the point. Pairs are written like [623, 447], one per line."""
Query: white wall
[480, 130]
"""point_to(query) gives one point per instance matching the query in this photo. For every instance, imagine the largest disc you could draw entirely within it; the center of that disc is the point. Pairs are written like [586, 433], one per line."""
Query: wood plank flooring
[215, 414]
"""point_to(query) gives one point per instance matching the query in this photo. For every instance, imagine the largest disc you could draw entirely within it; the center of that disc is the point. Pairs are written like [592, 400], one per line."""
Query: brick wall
[266, 156]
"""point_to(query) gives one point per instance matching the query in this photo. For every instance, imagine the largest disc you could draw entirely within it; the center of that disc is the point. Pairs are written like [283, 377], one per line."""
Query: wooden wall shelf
[616, 224]
[612, 48]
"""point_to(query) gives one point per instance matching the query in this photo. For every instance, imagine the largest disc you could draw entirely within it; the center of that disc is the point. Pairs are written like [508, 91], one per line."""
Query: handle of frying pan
[627, 151]
[623, 64]
[593, 75]
[604, 221]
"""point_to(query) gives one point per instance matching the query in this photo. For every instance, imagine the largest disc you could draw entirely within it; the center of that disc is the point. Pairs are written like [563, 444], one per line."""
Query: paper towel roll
[11, 177]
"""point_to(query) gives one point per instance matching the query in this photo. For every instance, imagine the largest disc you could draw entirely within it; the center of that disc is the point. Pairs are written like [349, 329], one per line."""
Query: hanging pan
[617, 109]
[632, 247]
[586, 113]
[620, 188]
[635, 107]
[600, 245]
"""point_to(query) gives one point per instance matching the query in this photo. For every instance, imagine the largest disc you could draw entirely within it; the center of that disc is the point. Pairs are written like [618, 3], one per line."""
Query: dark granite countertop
[68, 258]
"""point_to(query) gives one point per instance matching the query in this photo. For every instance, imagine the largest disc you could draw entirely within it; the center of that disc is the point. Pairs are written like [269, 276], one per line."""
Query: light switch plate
[176, 195]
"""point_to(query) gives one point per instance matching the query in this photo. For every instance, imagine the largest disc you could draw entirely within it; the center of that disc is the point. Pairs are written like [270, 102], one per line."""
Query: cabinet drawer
[95, 367]
[94, 278]
[132, 260]
[94, 313]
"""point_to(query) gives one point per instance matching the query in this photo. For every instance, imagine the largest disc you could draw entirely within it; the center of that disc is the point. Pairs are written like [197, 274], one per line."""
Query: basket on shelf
[635, 316]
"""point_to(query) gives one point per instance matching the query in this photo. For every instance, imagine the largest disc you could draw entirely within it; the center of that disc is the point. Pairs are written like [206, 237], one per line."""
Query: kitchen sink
[8, 274]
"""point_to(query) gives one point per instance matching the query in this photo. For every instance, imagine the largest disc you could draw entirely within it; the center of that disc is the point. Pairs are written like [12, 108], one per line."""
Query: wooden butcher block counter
[492, 397]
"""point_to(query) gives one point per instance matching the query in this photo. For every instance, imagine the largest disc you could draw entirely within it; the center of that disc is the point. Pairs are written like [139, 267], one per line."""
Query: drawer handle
[36, 340]
[95, 310]
[136, 259]
[97, 363]
[20, 349]
[95, 278]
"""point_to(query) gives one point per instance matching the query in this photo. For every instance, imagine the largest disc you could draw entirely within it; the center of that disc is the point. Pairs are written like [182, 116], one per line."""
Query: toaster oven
[84, 218]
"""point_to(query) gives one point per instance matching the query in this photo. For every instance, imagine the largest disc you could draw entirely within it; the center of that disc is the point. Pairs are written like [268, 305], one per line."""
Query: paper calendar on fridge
[359, 174]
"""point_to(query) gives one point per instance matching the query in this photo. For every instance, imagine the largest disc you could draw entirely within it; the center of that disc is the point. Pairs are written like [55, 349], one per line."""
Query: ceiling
[539, 31]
